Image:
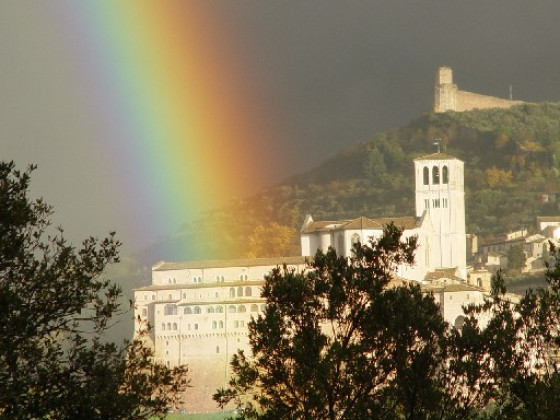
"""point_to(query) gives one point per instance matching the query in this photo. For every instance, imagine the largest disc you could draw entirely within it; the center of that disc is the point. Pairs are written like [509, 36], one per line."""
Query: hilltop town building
[200, 310]
[448, 97]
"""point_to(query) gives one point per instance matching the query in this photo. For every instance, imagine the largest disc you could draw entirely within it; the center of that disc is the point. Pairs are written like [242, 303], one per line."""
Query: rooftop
[436, 156]
[246, 262]
[362, 223]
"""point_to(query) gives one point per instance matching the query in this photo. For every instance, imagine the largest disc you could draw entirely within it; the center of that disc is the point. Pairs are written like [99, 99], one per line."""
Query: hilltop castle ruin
[448, 97]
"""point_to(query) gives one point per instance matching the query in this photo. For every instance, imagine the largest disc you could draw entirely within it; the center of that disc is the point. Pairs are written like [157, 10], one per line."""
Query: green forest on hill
[512, 159]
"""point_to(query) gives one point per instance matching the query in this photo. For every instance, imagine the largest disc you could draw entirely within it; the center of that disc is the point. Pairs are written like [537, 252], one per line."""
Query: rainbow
[166, 76]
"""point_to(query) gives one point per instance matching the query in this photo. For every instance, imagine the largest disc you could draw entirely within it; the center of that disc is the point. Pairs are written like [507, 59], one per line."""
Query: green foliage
[338, 342]
[55, 305]
[516, 258]
[521, 349]
[512, 158]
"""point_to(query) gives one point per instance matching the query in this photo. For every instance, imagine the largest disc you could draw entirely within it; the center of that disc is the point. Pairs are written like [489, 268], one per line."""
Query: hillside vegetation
[512, 158]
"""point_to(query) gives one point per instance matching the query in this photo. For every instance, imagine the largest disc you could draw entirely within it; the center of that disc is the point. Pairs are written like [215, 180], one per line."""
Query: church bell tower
[440, 193]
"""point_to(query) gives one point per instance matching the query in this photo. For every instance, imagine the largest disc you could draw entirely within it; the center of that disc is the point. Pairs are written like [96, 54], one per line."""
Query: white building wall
[445, 205]
[199, 317]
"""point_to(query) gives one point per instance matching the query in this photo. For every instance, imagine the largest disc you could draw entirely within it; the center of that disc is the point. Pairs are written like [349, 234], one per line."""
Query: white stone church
[200, 310]
[439, 223]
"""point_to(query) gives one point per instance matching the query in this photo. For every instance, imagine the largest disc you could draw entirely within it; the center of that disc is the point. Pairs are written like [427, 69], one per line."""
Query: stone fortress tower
[448, 97]
[440, 193]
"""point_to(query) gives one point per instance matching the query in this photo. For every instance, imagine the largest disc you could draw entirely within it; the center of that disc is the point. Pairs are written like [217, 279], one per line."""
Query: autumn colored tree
[271, 240]
[498, 177]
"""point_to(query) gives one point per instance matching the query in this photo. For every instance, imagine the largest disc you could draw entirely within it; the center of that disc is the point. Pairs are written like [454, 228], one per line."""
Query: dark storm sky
[335, 73]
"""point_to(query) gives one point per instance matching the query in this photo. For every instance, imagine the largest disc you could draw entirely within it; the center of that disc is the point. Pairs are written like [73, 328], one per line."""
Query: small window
[236, 324]
[254, 308]
[231, 309]
[241, 309]
[197, 310]
[240, 291]
[170, 310]
[144, 312]
[214, 325]
[174, 326]
[263, 307]
[188, 310]
[196, 326]
[248, 291]
[169, 326]
[232, 292]
[163, 327]
[445, 175]
[210, 310]
[219, 309]
[426, 175]
[217, 349]
[221, 324]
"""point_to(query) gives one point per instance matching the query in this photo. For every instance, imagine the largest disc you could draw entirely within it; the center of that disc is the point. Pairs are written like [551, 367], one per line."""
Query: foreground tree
[338, 341]
[522, 348]
[55, 305]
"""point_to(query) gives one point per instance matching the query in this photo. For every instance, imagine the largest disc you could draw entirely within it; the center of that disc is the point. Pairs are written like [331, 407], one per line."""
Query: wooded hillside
[512, 159]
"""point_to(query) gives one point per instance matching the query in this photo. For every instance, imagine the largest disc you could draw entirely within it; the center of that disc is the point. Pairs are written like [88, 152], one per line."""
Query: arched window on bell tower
[426, 175]
[444, 175]
[435, 175]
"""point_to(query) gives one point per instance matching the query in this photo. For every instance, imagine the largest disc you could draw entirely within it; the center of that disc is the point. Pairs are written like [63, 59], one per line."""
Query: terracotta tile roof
[437, 156]
[249, 262]
[324, 226]
[207, 285]
[454, 287]
[441, 273]
[362, 223]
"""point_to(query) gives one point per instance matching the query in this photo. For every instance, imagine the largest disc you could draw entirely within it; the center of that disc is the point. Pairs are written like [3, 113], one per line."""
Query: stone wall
[448, 97]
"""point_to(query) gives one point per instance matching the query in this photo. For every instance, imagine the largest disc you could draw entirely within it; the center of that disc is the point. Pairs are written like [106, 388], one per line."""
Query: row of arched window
[436, 175]
[242, 308]
[197, 310]
[170, 326]
[240, 291]
[215, 325]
